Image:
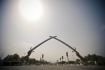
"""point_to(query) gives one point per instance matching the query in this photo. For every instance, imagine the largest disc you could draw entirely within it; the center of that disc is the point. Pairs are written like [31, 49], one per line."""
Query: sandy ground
[51, 67]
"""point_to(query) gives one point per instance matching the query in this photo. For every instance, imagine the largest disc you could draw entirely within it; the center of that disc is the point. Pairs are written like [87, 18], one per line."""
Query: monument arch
[54, 37]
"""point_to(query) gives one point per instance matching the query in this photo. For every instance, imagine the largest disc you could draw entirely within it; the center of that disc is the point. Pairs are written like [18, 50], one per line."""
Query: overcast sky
[79, 23]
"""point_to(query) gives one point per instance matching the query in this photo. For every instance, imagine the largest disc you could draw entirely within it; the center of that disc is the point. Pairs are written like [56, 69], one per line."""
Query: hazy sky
[79, 23]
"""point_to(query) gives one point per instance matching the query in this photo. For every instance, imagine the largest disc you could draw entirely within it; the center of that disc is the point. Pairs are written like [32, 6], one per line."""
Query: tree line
[92, 59]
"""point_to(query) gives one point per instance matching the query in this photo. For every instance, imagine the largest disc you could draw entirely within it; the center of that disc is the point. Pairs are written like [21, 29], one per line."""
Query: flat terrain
[51, 67]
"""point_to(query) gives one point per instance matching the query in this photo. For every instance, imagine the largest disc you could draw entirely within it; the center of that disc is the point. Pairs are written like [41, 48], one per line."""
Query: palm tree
[62, 58]
[42, 56]
[57, 61]
[67, 56]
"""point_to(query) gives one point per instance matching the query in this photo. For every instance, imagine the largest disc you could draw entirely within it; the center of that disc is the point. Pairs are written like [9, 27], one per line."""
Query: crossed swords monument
[54, 37]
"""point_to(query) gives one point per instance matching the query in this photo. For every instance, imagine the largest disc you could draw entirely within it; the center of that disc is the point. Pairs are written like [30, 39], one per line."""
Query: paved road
[51, 67]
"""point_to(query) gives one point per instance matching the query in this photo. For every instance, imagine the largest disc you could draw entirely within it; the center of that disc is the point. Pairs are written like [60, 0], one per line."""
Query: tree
[95, 59]
[42, 56]
[77, 60]
[67, 56]
[71, 62]
[63, 62]
[14, 57]
[62, 58]
[22, 59]
[57, 60]
[32, 61]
